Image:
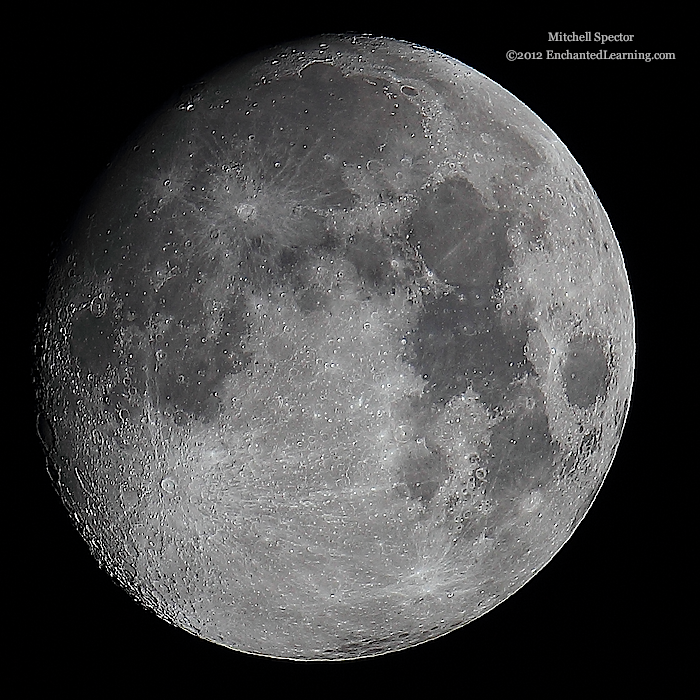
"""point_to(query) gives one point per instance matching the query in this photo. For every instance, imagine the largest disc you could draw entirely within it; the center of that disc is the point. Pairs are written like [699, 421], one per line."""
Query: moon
[338, 353]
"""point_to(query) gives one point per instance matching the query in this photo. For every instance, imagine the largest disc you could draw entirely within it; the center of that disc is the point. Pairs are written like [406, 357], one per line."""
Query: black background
[602, 615]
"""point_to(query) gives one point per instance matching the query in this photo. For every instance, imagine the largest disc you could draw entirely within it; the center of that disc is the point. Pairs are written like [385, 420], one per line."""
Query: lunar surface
[338, 353]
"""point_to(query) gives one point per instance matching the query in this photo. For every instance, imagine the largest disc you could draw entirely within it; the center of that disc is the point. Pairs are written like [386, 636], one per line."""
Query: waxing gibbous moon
[337, 354]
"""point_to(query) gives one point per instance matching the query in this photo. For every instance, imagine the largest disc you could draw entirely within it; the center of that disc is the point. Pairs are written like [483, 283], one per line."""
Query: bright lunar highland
[337, 354]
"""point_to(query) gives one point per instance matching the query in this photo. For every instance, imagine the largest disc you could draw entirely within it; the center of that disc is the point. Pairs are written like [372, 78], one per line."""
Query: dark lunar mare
[461, 341]
[586, 372]
[153, 328]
